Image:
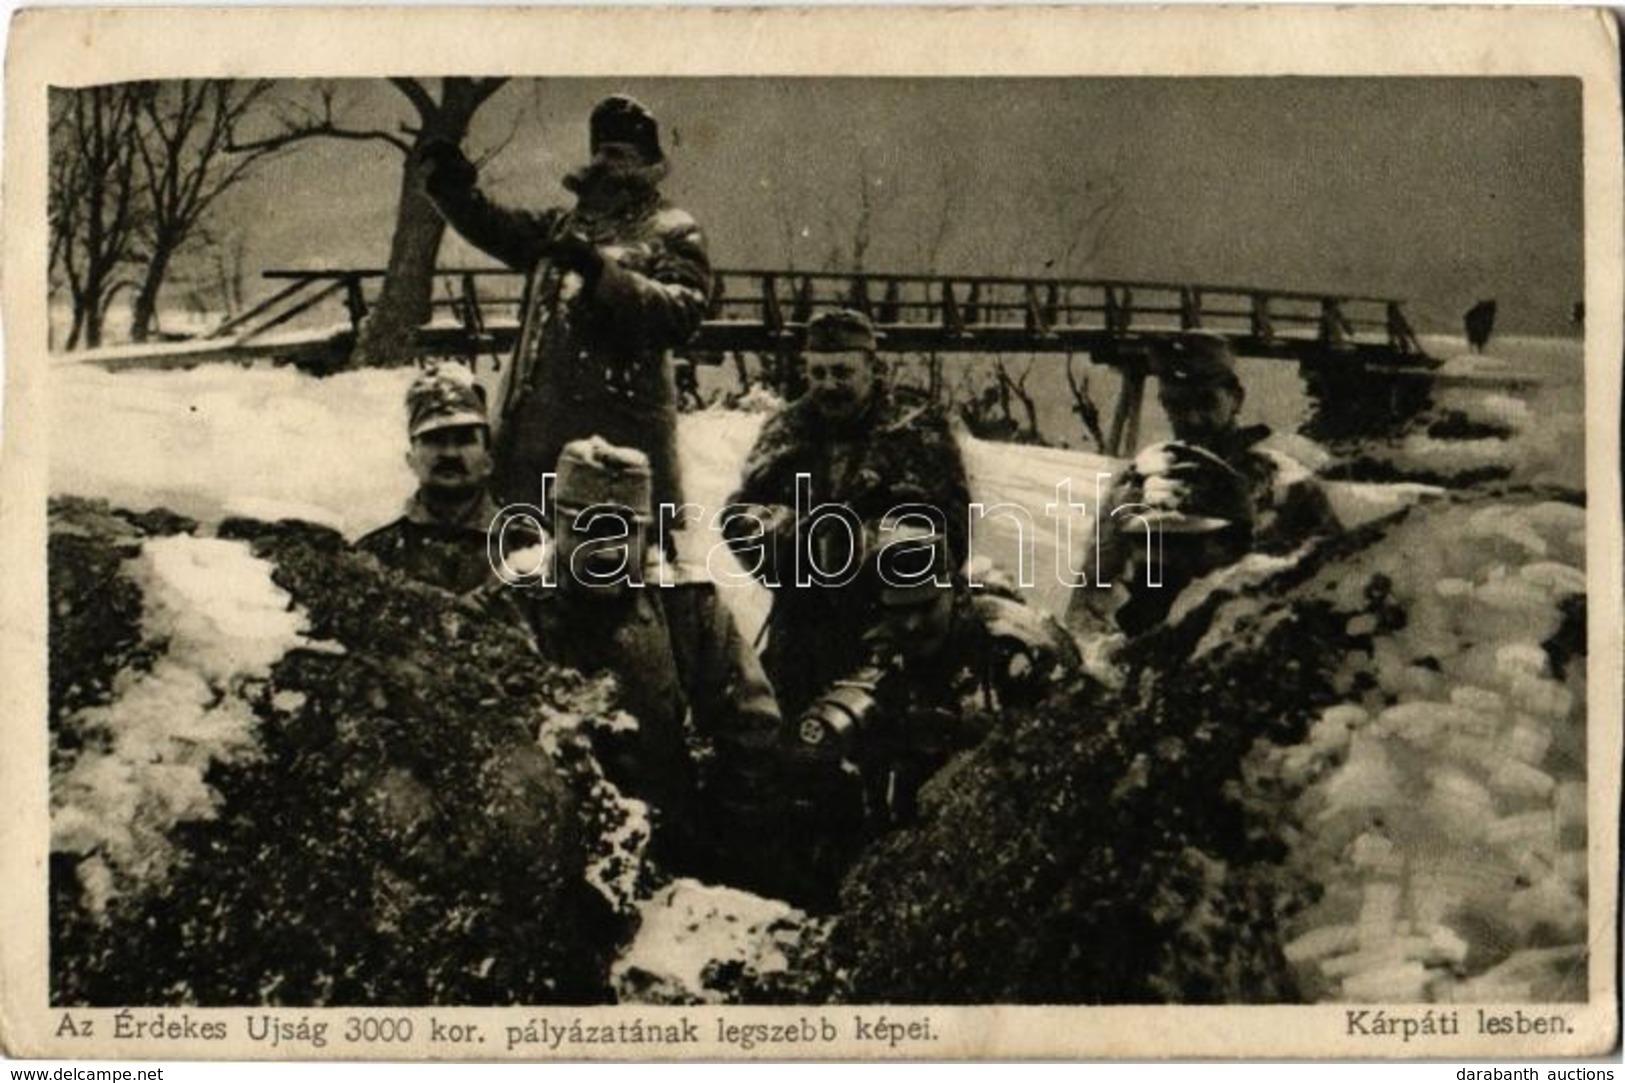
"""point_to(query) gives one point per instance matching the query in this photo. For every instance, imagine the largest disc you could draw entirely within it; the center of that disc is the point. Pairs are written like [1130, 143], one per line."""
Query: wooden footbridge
[1112, 321]
[313, 317]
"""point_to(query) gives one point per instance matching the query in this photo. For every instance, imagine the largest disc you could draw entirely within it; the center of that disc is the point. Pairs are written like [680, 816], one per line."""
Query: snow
[1464, 741]
[621, 824]
[221, 440]
[270, 442]
[225, 624]
[1531, 388]
[1444, 807]
[216, 605]
[687, 926]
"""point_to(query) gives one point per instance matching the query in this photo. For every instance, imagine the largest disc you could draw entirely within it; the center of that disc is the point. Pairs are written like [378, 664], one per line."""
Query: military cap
[624, 120]
[1190, 490]
[839, 331]
[1198, 360]
[595, 473]
[442, 397]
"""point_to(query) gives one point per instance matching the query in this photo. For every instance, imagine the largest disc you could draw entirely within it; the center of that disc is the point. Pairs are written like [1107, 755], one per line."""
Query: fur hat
[595, 473]
[624, 120]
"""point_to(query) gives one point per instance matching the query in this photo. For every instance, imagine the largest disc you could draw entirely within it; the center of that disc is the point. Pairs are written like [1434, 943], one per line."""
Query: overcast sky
[1442, 191]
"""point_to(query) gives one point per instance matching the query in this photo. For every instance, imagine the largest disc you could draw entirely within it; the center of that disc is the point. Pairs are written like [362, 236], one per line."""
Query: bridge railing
[1048, 312]
[765, 310]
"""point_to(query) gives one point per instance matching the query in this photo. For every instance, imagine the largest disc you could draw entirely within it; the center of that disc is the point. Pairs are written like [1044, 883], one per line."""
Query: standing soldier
[863, 449]
[675, 653]
[618, 280]
[441, 538]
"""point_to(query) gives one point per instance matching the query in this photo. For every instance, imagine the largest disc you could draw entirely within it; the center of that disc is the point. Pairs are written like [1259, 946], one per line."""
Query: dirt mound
[1259, 812]
[322, 786]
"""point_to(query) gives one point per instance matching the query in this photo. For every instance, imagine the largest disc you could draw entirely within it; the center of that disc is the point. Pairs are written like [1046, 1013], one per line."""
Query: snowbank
[1441, 788]
[1516, 412]
[1368, 760]
[251, 817]
[222, 440]
[142, 765]
[1444, 805]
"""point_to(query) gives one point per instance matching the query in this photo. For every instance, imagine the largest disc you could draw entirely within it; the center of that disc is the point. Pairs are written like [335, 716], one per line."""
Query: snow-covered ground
[271, 442]
[687, 926]
[1467, 754]
[1444, 808]
[218, 440]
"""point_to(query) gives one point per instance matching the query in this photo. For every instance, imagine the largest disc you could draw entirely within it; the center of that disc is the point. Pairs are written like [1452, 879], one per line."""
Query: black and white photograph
[685, 562]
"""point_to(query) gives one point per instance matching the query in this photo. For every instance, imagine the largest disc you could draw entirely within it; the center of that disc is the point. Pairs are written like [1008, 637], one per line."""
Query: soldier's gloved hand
[1166, 490]
[447, 168]
[574, 252]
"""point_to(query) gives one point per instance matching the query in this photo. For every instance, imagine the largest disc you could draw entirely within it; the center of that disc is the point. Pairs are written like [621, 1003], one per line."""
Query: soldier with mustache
[619, 279]
[441, 537]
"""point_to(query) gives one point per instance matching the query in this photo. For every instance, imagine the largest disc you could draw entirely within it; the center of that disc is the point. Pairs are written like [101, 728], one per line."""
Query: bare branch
[1083, 404]
[420, 98]
[325, 130]
[503, 143]
[484, 88]
[1016, 387]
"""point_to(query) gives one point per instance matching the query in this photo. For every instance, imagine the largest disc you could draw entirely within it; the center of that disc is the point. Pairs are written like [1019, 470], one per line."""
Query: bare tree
[228, 263]
[943, 214]
[135, 170]
[1015, 387]
[1083, 404]
[93, 204]
[784, 222]
[406, 300]
[211, 274]
[185, 131]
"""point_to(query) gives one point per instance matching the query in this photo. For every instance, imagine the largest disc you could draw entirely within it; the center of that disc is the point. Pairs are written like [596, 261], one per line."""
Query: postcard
[883, 533]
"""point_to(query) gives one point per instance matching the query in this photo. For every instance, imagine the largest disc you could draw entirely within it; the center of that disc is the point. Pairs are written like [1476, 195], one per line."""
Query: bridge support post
[354, 301]
[1190, 309]
[1263, 328]
[1125, 430]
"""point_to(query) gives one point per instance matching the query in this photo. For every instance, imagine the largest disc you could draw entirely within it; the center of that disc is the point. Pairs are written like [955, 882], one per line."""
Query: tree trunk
[88, 309]
[145, 313]
[92, 327]
[404, 303]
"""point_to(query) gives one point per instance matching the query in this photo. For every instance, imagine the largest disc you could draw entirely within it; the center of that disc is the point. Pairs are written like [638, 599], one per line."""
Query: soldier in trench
[441, 537]
[611, 604]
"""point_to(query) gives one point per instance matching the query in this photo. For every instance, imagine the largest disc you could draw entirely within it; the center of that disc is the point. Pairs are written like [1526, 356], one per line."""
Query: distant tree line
[138, 171]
